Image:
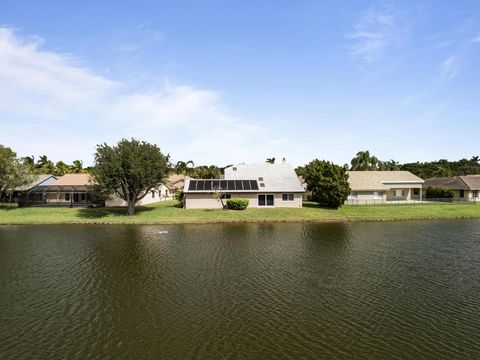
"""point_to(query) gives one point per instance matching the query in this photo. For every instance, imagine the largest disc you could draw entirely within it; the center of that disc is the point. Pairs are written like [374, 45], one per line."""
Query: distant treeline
[363, 161]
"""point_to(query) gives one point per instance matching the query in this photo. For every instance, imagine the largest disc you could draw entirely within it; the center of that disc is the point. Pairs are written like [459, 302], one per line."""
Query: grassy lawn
[169, 213]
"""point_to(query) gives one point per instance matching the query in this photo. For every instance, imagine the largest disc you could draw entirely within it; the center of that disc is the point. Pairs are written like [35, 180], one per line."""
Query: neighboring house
[464, 187]
[164, 192]
[72, 190]
[173, 183]
[264, 185]
[34, 192]
[368, 187]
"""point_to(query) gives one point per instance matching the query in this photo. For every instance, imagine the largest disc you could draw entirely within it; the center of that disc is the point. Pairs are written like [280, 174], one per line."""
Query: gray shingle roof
[468, 182]
[275, 177]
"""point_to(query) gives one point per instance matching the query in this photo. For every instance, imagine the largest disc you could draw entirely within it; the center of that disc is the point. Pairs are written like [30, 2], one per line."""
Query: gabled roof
[381, 180]
[472, 181]
[274, 177]
[37, 180]
[467, 182]
[176, 181]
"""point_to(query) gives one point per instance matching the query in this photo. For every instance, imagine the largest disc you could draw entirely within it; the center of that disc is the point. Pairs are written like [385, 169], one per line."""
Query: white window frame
[353, 195]
[402, 193]
[288, 195]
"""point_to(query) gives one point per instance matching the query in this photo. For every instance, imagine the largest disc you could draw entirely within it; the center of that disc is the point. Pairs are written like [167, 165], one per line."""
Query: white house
[264, 185]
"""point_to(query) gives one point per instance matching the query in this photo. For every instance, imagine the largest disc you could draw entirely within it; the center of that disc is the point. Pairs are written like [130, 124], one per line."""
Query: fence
[439, 201]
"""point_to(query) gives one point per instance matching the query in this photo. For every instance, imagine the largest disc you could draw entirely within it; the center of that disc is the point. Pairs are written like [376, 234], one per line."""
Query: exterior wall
[207, 201]
[157, 196]
[388, 195]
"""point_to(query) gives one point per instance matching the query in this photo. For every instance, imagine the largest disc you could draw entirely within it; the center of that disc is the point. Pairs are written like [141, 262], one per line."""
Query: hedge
[237, 204]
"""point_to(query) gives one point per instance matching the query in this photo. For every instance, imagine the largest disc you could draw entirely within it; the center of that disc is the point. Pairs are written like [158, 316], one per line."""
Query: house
[164, 192]
[264, 185]
[465, 188]
[72, 190]
[383, 186]
[33, 193]
[174, 183]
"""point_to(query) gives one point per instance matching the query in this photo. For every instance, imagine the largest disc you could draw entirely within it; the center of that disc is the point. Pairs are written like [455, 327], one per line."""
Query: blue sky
[239, 81]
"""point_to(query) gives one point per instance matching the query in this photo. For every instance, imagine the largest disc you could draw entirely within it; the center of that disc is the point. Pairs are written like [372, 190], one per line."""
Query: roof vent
[262, 185]
[234, 169]
[284, 161]
[260, 179]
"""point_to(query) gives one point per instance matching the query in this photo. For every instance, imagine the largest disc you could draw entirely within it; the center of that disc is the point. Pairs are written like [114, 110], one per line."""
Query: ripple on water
[236, 291]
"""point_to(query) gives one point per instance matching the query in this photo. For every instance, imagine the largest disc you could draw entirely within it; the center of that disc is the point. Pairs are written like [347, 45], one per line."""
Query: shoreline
[124, 220]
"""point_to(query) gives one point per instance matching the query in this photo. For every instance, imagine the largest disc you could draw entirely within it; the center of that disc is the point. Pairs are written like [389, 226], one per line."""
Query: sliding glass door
[266, 200]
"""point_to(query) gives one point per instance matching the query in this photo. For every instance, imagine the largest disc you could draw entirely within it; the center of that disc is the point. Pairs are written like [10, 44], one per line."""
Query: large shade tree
[130, 170]
[13, 172]
[327, 182]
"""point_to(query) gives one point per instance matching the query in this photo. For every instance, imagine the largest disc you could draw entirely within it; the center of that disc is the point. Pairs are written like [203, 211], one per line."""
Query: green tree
[270, 160]
[44, 165]
[364, 161]
[327, 182]
[76, 167]
[130, 169]
[13, 173]
[61, 168]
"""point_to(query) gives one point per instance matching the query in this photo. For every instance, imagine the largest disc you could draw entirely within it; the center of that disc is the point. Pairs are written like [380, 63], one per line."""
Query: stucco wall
[388, 195]
[207, 201]
[115, 201]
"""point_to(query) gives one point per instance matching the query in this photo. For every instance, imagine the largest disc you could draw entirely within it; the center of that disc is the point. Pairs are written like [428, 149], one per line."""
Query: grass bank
[169, 213]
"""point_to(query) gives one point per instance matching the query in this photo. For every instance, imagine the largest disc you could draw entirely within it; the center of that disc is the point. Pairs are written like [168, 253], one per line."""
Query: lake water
[245, 291]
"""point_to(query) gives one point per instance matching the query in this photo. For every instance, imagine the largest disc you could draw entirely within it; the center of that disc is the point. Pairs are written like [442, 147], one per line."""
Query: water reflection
[231, 291]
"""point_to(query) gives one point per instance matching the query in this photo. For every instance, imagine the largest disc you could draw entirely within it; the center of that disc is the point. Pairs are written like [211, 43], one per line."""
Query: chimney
[284, 161]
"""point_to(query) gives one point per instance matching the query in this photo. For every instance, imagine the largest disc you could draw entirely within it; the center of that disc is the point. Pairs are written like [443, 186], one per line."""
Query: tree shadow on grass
[314, 205]
[98, 213]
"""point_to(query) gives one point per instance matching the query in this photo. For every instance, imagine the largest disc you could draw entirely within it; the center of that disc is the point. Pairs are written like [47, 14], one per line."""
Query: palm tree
[29, 161]
[77, 167]
[44, 165]
[363, 161]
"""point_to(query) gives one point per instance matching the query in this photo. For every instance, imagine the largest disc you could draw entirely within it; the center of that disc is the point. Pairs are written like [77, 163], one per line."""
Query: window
[399, 193]
[354, 194]
[82, 197]
[475, 194]
[378, 194]
[67, 197]
[234, 169]
[153, 194]
[416, 192]
[265, 200]
[262, 184]
[462, 193]
[226, 196]
[260, 179]
[287, 197]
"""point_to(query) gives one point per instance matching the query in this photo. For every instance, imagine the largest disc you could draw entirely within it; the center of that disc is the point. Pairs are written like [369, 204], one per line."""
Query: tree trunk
[131, 207]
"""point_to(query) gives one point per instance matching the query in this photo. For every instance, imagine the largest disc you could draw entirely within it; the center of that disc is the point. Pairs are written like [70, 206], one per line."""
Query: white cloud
[475, 39]
[58, 107]
[449, 68]
[377, 30]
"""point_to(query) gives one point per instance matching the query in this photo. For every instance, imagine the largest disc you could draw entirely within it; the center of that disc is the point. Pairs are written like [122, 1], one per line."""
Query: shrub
[179, 195]
[439, 193]
[237, 204]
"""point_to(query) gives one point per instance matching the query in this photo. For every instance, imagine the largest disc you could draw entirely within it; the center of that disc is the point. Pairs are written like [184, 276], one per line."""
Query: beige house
[372, 187]
[465, 188]
[72, 190]
[264, 185]
[164, 192]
